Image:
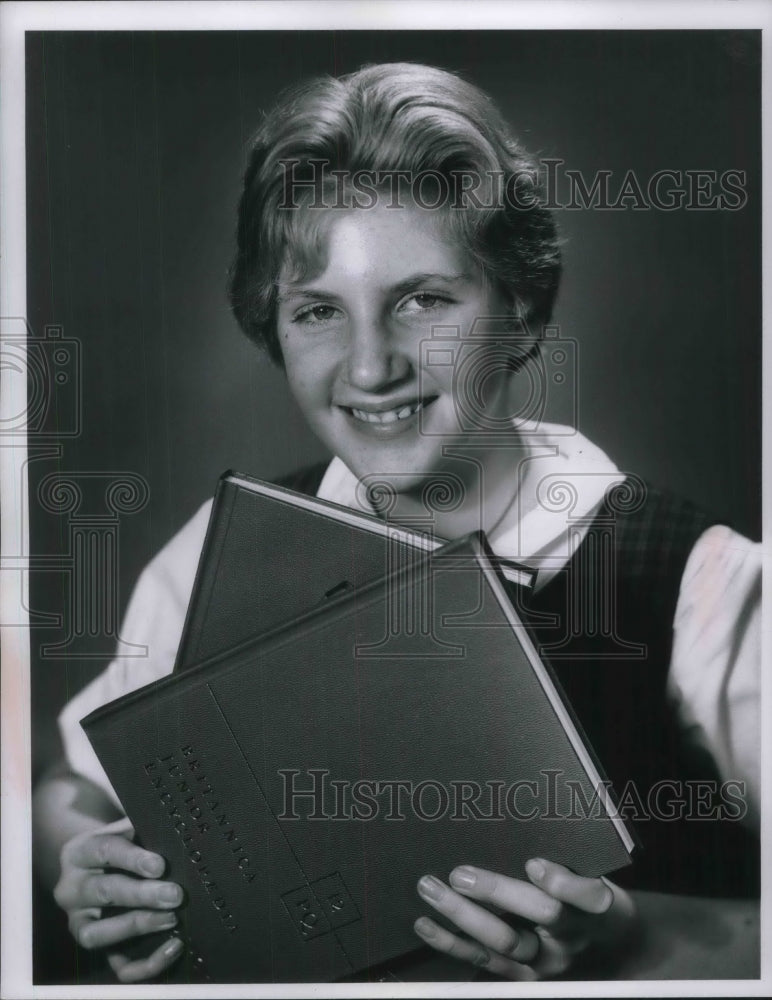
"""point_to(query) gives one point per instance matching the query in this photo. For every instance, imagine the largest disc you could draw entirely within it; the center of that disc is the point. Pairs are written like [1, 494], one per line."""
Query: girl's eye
[319, 313]
[423, 302]
[426, 300]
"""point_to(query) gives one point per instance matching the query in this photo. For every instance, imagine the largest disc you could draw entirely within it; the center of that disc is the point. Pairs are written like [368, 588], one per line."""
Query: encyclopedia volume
[300, 784]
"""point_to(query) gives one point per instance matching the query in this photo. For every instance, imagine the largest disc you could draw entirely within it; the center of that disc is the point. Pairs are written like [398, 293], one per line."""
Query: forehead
[362, 242]
[385, 238]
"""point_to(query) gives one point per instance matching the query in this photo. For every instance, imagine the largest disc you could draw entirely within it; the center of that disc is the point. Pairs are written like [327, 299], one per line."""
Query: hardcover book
[271, 554]
[300, 785]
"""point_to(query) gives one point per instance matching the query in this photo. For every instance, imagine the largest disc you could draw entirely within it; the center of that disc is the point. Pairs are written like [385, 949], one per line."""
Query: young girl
[396, 260]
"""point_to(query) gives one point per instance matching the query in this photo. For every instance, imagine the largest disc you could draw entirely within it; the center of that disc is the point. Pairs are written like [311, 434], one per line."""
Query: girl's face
[352, 338]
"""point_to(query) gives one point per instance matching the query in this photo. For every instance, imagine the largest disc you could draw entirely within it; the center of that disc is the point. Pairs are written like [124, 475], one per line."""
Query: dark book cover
[271, 554]
[301, 785]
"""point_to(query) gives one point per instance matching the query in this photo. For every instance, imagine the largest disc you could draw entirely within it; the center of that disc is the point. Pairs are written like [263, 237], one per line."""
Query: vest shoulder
[306, 480]
[654, 530]
[639, 509]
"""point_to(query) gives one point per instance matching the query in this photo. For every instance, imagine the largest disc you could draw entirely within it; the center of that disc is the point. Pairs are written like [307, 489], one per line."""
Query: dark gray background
[135, 147]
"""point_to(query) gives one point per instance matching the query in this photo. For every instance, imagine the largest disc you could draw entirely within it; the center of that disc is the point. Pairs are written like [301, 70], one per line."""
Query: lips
[391, 416]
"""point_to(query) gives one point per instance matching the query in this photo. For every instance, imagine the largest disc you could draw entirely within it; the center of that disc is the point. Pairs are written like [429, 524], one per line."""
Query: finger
[78, 920]
[95, 933]
[146, 968]
[478, 922]
[122, 826]
[110, 850]
[510, 894]
[471, 951]
[592, 895]
[123, 890]
[555, 956]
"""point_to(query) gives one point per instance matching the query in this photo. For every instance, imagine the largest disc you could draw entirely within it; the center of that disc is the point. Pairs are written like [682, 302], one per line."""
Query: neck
[471, 493]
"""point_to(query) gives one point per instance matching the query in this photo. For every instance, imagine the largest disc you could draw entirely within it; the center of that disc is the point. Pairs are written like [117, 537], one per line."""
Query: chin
[432, 483]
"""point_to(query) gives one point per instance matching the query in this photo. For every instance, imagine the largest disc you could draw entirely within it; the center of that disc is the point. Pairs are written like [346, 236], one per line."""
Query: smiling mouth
[389, 416]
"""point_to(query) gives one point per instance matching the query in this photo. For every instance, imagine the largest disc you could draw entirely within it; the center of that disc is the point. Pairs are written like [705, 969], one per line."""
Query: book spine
[206, 574]
[577, 723]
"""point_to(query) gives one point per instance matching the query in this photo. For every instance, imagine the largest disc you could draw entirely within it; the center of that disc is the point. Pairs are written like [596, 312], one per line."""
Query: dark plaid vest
[605, 625]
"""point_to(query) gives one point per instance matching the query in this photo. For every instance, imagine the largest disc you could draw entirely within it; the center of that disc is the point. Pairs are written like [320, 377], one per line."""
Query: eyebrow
[426, 278]
[287, 290]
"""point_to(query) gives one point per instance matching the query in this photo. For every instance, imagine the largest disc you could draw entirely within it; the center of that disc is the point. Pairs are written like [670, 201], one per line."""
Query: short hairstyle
[379, 120]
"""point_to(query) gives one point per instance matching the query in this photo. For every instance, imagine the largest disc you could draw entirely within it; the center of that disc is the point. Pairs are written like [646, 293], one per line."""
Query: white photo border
[15, 19]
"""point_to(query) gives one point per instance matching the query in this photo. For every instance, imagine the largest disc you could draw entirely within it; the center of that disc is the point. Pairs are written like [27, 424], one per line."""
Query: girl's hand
[89, 881]
[560, 916]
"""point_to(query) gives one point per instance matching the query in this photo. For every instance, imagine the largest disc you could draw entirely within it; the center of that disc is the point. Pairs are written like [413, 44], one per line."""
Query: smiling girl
[372, 295]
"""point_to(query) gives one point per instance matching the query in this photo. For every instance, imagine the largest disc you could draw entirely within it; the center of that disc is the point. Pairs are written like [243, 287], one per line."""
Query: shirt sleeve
[715, 671]
[150, 634]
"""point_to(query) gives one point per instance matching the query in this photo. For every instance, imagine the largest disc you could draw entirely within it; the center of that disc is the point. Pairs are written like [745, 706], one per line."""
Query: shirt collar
[559, 479]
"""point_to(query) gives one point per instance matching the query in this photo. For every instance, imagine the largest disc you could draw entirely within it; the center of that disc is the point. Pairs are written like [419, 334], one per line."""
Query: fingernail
[431, 887]
[170, 895]
[152, 866]
[463, 877]
[172, 947]
[425, 927]
[165, 921]
[536, 869]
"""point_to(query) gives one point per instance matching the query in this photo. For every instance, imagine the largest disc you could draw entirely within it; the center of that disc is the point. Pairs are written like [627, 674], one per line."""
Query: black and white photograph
[382, 469]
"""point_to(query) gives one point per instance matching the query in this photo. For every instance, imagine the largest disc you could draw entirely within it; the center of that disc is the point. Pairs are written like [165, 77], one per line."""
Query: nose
[375, 360]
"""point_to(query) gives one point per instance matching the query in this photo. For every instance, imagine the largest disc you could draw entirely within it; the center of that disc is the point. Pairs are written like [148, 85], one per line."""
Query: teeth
[389, 416]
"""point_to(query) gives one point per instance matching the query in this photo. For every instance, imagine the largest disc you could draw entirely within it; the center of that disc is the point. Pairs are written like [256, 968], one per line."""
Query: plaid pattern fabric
[621, 586]
[654, 540]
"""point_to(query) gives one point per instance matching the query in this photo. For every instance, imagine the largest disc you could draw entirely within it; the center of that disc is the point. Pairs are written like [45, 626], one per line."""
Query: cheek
[312, 365]
[307, 380]
[300, 386]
